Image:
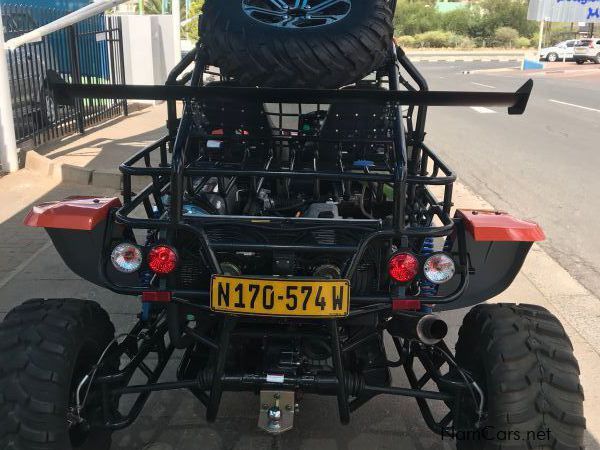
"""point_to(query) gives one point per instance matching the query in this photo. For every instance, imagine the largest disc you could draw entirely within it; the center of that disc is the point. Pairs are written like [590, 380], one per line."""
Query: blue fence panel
[88, 52]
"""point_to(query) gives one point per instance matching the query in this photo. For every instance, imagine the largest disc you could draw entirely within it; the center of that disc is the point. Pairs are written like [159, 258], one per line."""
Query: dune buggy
[279, 234]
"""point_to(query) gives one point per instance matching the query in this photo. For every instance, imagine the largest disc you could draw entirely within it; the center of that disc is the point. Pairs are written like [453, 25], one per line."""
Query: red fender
[493, 226]
[73, 213]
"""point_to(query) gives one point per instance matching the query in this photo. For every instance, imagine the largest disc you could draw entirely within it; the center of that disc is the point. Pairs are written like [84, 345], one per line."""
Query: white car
[587, 50]
[558, 52]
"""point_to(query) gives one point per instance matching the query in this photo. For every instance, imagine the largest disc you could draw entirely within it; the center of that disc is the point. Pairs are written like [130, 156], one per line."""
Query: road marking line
[575, 106]
[484, 85]
[482, 110]
[17, 270]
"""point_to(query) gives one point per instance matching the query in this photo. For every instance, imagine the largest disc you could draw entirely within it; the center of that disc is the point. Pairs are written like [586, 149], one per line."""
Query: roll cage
[413, 169]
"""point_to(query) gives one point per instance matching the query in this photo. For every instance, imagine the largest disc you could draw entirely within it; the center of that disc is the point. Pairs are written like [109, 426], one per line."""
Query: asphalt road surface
[543, 165]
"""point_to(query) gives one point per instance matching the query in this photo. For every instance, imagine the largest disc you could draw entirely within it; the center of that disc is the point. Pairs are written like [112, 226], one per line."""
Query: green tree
[190, 29]
[460, 21]
[190, 26]
[151, 7]
[506, 13]
[506, 36]
[414, 17]
[156, 7]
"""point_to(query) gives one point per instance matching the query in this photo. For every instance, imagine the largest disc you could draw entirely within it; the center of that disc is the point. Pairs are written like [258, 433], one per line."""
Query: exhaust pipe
[429, 328]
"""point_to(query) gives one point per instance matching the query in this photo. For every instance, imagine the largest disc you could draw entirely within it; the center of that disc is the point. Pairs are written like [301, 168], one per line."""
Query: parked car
[557, 52]
[587, 50]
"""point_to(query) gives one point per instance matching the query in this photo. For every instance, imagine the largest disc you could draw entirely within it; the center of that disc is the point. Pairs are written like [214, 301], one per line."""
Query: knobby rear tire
[524, 362]
[45, 347]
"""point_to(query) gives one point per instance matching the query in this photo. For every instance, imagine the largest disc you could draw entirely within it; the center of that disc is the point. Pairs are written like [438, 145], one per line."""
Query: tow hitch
[277, 409]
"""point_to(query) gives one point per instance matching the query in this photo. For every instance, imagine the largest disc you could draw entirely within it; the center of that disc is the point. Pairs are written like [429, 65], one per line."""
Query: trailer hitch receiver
[277, 409]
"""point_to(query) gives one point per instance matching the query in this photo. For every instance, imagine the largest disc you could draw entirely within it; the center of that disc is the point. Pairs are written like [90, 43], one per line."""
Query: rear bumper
[489, 248]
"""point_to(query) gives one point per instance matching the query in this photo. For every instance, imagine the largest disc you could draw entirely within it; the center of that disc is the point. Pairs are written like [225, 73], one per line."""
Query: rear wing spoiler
[516, 102]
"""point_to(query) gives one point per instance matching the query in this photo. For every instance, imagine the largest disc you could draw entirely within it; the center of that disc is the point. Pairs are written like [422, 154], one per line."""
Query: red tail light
[162, 260]
[403, 267]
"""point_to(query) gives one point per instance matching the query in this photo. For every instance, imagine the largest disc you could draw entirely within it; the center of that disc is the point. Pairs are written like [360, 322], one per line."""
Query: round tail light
[439, 268]
[162, 260]
[126, 258]
[403, 267]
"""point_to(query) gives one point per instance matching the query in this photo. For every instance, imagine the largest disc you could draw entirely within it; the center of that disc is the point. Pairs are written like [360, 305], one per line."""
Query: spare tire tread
[318, 60]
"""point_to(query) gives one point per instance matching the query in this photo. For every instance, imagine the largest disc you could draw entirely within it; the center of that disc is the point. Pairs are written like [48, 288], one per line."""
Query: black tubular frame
[415, 168]
[210, 383]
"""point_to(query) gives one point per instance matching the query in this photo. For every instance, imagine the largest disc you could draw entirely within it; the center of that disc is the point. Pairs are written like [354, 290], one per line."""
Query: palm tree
[164, 6]
[190, 28]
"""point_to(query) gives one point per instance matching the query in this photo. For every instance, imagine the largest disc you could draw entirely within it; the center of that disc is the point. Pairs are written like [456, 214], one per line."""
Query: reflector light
[126, 258]
[406, 305]
[162, 260]
[439, 268]
[153, 296]
[403, 267]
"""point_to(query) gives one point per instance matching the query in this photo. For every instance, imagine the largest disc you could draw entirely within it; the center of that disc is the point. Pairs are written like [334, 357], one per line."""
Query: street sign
[564, 10]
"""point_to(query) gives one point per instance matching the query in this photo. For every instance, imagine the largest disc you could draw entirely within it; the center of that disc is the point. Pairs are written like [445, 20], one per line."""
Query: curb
[72, 174]
[423, 56]
[450, 59]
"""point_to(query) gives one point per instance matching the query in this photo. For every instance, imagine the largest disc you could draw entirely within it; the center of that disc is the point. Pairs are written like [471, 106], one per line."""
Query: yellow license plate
[278, 297]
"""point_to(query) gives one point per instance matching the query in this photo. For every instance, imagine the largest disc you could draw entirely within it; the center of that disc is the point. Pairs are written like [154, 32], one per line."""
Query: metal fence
[88, 52]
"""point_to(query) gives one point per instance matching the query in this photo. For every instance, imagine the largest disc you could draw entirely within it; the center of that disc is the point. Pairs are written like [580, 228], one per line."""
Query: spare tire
[297, 43]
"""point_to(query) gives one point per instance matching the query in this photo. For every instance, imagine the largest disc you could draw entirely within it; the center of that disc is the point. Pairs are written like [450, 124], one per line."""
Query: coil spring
[146, 276]
[205, 377]
[355, 383]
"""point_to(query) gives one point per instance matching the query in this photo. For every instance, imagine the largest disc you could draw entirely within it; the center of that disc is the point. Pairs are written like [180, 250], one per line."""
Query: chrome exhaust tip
[431, 329]
[426, 328]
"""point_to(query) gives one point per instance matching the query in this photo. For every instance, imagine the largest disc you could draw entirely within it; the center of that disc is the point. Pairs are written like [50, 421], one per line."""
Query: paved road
[543, 165]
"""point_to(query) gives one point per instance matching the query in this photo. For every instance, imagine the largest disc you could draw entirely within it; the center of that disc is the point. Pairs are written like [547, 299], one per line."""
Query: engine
[262, 241]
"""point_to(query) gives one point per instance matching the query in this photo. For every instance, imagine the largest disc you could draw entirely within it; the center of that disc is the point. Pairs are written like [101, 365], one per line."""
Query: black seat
[361, 124]
[230, 117]
[359, 120]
